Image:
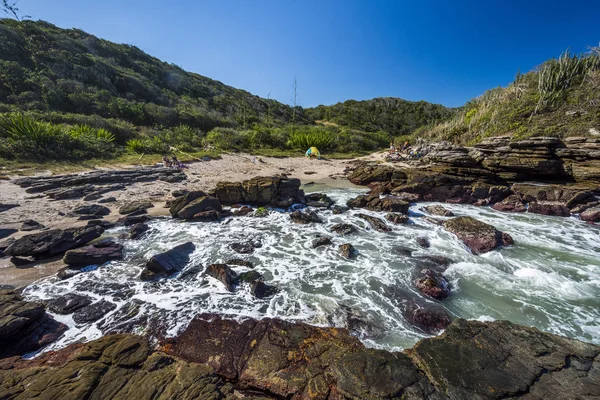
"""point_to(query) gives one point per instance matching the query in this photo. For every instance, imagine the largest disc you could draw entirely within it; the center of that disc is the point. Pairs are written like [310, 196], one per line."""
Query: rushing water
[549, 279]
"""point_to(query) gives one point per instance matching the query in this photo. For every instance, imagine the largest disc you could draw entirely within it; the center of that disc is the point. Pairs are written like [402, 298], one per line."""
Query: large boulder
[347, 250]
[169, 262]
[94, 254]
[478, 236]
[437, 209]
[24, 326]
[554, 209]
[343, 229]
[272, 191]
[52, 242]
[199, 205]
[180, 202]
[397, 218]
[591, 215]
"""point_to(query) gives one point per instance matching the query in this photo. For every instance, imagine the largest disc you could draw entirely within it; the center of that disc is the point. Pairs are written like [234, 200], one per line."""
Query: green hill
[559, 98]
[67, 95]
[389, 114]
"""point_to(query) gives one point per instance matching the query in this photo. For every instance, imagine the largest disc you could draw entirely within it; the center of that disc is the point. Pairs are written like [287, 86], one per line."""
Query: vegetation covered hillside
[559, 98]
[67, 95]
[389, 114]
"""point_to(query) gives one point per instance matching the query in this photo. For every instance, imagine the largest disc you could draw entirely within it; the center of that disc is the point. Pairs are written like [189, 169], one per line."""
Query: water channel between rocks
[549, 279]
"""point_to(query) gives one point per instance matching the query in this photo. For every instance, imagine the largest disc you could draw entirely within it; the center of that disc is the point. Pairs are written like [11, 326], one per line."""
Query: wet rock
[343, 229]
[590, 215]
[24, 327]
[510, 204]
[93, 312]
[135, 207]
[138, 230]
[396, 218]
[438, 210]
[95, 254]
[52, 242]
[305, 217]
[260, 290]
[199, 205]
[321, 241]
[319, 200]
[31, 225]
[376, 223]
[224, 274]
[361, 324]
[107, 200]
[403, 251]
[272, 191]
[375, 203]
[433, 284]
[428, 317]
[339, 209]
[169, 262]
[242, 248]
[67, 273]
[558, 210]
[478, 236]
[243, 210]
[93, 210]
[423, 242]
[101, 223]
[242, 263]
[250, 276]
[68, 303]
[347, 250]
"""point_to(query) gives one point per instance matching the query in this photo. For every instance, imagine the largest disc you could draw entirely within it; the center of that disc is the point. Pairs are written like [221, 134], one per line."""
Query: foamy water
[550, 278]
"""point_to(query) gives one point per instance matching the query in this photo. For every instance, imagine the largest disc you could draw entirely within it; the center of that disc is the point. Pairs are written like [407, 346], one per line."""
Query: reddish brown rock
[478, 236]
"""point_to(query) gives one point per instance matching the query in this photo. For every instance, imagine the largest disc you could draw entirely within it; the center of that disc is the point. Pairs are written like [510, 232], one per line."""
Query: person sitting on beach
[405, 146]
[166, 162]
[392, 148]
[177, 164]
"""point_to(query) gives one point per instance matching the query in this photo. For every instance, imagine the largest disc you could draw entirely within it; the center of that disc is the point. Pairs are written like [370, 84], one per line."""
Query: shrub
[306, 137]
[151, 145]
[227, 139]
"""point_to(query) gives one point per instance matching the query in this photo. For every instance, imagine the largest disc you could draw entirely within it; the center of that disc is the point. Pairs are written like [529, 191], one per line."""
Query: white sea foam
[550, 278]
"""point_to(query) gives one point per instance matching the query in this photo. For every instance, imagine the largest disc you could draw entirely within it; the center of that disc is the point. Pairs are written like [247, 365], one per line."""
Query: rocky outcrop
[321, 241]
[512, 203]
[261, 191]
[591, 215]
[138, 230]
[219, 358]
[24, 326]
[199, 205]
[95, 182]
[396, 218]
[95, 254]
[558, 210]
[169, 262]
[478, 236]
[431, 318]
[52, 242]
[318, 200]
[343, 229]
[89, 211]
[376, 203]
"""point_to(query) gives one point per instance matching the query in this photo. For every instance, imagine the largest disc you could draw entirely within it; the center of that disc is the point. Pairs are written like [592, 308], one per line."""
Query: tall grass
[304, 140]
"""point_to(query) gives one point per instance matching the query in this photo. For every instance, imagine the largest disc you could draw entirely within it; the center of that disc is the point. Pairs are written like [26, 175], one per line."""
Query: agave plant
[304, 140]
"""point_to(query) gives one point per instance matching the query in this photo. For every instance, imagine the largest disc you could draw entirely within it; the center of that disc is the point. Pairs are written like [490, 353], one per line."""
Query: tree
[11, 9]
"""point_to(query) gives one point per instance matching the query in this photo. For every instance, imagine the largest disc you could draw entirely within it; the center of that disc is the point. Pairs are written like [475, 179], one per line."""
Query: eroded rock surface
[261, 191]
[478, 236]
[52, 242]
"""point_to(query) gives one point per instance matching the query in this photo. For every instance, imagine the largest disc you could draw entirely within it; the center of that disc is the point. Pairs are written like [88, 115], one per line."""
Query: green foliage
[24, 137]
[321, 139]
[227, 139]
[153, 145]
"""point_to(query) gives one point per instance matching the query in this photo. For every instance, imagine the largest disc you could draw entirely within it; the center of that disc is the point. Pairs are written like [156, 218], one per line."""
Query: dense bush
[23, 137]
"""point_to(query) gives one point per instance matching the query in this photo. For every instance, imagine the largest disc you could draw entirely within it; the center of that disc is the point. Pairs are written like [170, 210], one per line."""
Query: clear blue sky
[441, 51]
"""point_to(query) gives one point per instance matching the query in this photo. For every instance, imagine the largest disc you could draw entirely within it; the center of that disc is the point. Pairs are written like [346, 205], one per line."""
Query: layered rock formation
[216, 358]
[493, 172]
[260, 191]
